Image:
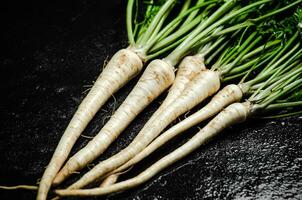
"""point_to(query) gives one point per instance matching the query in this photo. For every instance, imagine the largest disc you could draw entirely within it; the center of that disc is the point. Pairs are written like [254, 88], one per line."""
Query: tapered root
[17, 187]
[229, 94]
[122, 67]
[233, 114]
[110, 180]
[189, 67]
[202, 86]
[157, 77]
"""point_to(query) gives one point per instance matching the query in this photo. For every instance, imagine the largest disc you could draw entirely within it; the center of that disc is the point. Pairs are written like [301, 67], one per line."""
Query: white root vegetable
[203, 85]
[158, 76]
[188, 68]
[133, 105]
[23, 187]
[122, 67]
[233, 114]
[228, 95]
[110, 180]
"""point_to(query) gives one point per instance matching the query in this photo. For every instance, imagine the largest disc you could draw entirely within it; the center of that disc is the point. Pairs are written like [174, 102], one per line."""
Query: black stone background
[51, 52]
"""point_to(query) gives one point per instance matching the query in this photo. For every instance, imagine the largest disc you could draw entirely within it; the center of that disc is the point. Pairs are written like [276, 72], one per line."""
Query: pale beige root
[202, 86]
[233, 114]
[229, 94]
[122, 67]
[189, 67]
[157, 77]
[17, 187]
[109, 180]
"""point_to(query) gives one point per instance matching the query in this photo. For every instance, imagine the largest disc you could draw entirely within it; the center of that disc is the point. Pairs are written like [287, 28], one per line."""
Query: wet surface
[52, 54]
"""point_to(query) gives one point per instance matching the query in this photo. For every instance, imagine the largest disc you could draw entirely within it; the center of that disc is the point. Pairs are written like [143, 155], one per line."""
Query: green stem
[229, 67]
[285, 90]
[129, 22]
[231, 52]
[162, 51]
[172, 25]
[183, 10]
[266, 58]
[215, 34]
[182, 49]
[286, 67]
[280, 106]
[258, 60]
[155, 21]
[139, 31]
[283, 115]
[155, 32]
[278, 11]
[245, 69]
[260, 49]
[205, 43]
[192, 14]
[211, 47]
[221, 48]
[283, 50]
[201, 31]
[261, 77]
[281, 81]
[170, 39]
[237, 50]
[135, 31]
[224, 54]
[233, 28]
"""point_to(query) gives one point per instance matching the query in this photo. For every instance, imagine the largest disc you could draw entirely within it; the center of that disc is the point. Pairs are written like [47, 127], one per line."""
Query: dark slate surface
[51, 53]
